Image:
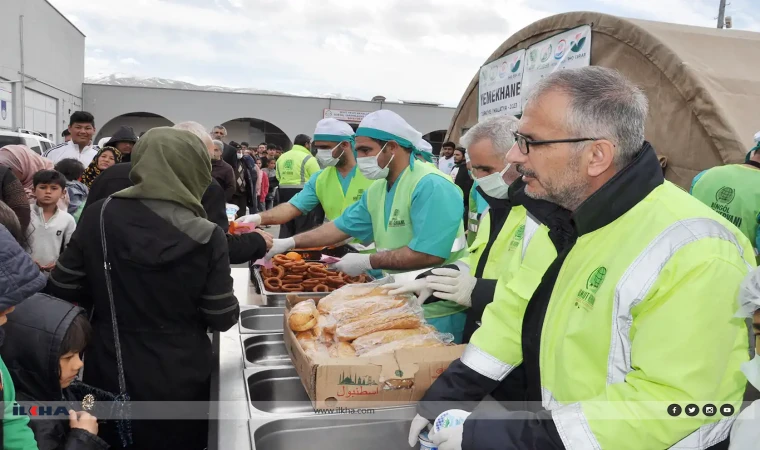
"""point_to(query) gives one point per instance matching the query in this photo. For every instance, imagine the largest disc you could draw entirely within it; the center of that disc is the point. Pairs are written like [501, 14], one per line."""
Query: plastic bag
[421, 340]
[354, 292]
[405, 317]
[370, 341]
[749, 294]
[346, 312]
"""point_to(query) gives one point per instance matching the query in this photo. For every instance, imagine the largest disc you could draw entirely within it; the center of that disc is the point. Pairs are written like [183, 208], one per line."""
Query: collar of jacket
[621, 193]
[301, 148]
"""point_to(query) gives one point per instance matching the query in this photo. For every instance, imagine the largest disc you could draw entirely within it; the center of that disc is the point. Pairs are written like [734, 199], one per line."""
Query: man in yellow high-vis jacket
[293, 169]
[635, 316]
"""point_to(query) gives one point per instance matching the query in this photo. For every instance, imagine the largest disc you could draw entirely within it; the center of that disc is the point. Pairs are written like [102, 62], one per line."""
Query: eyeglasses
[524, 143]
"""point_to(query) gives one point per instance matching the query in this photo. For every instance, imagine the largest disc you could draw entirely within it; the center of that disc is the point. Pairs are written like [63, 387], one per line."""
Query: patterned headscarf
[24, 161]
[92, 171]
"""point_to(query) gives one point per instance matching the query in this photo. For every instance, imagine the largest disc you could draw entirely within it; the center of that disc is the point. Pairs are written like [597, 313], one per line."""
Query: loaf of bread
[303, 316]
[325, 324]
[422, 340]
[392, 319]
[347, 312]
[349, 293]
[368, 342]
[342, 350]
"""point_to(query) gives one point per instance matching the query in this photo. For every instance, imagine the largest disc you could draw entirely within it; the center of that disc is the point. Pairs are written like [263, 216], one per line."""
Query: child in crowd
[44, 338]
[72, 169]
[19, 278]
[50, 228]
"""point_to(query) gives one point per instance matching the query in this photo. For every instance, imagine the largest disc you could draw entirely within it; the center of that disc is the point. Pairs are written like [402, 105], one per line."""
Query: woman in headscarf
[106, 157]
[170, 278]
[24, 163]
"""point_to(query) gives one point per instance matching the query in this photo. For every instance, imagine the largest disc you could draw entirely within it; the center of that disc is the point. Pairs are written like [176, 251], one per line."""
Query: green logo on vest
[517, 239]
[586, 297]
[725, 195]
[289, 164]
[395, 221]
[359, 194]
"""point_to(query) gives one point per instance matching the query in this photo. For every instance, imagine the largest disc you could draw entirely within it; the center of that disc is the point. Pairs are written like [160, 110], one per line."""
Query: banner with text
[500, 86]
[568, 50]
[344, 115]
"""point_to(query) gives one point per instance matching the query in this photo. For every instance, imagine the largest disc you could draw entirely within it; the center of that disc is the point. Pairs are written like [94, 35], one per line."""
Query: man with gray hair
[635, 317]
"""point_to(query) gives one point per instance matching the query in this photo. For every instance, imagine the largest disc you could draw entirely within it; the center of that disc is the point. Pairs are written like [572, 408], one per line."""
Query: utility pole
[23, 72]
[722, 14]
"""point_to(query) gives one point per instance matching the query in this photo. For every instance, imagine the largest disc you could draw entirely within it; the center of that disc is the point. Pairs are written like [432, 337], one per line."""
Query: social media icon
[709, 410]
[727, 410]
[674, 410]
[692, 410]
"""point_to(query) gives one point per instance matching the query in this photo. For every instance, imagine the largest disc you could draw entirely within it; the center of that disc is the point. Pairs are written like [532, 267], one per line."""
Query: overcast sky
[403, 49]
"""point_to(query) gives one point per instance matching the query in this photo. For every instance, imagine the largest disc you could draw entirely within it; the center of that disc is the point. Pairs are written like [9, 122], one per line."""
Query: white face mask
[326, 159]
[494, 185]
[239, 156]
[751, 370]
[371, 169]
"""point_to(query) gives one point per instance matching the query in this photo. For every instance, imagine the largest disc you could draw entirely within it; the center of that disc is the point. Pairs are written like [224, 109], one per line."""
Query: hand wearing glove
[418, 424]
[280, 246]
[252, 218]
[448, 438]
[451, 284]
[354, 264]
[417, 287]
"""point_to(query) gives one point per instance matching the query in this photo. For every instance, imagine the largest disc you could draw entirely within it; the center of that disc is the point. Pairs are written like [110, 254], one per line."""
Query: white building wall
[293, 115]
[53, 62]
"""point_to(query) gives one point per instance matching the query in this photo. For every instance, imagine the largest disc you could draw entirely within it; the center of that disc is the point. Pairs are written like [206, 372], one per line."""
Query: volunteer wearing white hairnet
[745, 433]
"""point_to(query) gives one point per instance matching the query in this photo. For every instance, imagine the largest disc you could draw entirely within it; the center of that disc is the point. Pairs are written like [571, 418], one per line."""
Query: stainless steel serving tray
[277, 298]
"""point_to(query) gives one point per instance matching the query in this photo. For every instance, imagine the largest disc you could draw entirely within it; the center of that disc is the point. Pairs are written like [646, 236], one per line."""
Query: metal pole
[23, 73]
[722, 14]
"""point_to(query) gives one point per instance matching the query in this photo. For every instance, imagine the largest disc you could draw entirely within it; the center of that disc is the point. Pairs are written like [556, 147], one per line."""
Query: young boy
[72, 169]
[43, 340]
[51, 228]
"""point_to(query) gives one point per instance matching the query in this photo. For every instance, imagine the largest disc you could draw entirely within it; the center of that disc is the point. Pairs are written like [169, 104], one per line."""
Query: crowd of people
[591, 293]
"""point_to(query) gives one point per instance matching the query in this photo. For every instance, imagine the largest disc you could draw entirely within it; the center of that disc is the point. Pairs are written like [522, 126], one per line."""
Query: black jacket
[171, 282]
[464, 181]
[229, 154]
[123, 134]
[243, 248]
[33, 337]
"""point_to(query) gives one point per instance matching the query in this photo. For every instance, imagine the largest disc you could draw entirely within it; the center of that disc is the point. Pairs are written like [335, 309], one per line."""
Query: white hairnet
[103, 141]
[749, 294]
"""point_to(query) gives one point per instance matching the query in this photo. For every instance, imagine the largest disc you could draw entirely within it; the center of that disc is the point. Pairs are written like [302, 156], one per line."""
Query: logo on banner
[577, 43]
[561, 48]
[546, 53]
[532, 59]
[514, 66]
[503, 69]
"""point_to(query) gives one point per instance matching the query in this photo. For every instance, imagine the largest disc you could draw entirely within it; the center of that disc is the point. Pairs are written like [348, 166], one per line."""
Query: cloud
[420, 49]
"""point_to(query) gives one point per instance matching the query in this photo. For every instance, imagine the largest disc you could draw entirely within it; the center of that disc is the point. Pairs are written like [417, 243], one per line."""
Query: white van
[35, 141]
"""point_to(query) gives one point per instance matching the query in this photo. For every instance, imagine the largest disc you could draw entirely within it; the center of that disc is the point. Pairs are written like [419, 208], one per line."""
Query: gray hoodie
[19, 275]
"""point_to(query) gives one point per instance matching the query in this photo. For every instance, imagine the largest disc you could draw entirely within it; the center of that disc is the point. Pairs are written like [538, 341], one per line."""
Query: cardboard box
[395, 379]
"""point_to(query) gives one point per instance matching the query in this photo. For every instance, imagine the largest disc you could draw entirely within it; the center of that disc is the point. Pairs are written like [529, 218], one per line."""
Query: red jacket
[264, 187]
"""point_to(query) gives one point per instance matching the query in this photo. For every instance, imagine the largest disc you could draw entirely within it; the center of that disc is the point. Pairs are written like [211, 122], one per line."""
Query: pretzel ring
[335, 282]
[311, 283]
[281, 260]
[274, 272]
[321, 288]
[318, 272]
[333, 274]
[299, 270]
[273, 284]
[316, 265]
[361, 278]
[292, 288]
[292, 279]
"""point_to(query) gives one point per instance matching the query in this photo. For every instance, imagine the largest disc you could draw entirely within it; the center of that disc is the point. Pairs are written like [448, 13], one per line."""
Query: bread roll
[368, 342]
[352, 292]
[392, 319]
[303, 316]
[342, 350]
[325, 324]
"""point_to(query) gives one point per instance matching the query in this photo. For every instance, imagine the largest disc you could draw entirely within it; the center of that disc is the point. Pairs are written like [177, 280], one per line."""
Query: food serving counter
[259, 402]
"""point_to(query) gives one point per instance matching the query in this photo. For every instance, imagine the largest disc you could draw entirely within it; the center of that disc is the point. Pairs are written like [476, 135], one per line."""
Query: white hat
[386, 125]
[757, 137]
[424, 146]
[333, 130]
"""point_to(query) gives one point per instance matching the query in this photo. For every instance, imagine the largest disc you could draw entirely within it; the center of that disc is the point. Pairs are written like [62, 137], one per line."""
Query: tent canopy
[703, 84]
